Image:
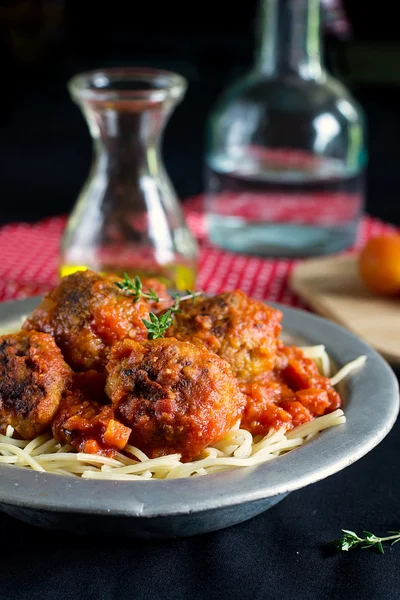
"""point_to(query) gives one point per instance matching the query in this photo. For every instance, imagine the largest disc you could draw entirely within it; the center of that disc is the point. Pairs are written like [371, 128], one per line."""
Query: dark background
[45, 154]
[45, 146]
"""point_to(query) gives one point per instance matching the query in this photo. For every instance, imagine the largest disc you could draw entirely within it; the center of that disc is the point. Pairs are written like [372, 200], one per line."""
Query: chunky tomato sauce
[84, 368]
[293, 393]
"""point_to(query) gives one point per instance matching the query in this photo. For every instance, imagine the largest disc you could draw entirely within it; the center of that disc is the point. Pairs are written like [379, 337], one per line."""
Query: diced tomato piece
[300, 414]
[91, 447]
[300, 374]
[116, 435]
[315, 400]
[260, 417]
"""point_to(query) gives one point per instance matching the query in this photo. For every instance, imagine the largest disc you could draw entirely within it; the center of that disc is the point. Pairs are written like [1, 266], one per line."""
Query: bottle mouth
[127, 84]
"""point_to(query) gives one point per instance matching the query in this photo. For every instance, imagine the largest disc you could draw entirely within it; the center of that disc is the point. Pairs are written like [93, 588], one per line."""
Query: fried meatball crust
[240, 330]
[33, 378]
[87, 314]
[175, 396]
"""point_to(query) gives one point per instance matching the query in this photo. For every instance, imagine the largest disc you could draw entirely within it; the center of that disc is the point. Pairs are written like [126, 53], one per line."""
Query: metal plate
[196, 505]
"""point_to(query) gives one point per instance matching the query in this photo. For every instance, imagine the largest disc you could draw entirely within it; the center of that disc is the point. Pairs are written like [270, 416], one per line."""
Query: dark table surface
[282, 553]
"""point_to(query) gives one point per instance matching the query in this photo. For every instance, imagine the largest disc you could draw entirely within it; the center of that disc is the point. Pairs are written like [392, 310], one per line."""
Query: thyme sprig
[156, 326]
[350, 540]
[134, 288]
[188, 296]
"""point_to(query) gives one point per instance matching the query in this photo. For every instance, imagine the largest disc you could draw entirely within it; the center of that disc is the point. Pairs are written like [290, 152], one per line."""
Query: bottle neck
[127, 142]
[290, 38]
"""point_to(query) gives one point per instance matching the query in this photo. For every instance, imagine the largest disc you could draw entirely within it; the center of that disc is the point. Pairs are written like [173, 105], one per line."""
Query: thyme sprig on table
[157, 326]
[350, 540]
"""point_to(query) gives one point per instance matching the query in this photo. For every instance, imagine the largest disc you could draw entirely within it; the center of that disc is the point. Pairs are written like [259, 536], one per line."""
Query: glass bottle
[285, 148]
[127, 217]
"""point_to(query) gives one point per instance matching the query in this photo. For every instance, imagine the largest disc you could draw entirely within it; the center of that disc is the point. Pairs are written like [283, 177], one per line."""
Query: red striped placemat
[29, 260]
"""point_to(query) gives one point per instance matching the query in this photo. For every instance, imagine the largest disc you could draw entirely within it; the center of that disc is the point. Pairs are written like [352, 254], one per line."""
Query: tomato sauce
[293, 393]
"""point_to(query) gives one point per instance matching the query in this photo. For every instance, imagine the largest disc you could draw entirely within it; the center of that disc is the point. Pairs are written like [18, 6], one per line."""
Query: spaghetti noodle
[237, 449]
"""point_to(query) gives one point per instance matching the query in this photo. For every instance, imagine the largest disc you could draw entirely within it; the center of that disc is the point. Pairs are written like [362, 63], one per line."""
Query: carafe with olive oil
[127, 218]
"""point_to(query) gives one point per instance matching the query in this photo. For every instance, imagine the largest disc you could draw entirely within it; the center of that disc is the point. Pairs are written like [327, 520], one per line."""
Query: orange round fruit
[379, 264]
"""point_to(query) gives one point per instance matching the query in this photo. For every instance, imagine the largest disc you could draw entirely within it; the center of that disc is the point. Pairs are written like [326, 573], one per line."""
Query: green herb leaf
[151, 295]
[157, 326]
[350, 540]
[132, 287]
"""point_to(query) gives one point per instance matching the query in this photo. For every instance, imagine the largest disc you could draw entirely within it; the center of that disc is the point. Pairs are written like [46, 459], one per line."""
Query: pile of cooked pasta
[238, 448]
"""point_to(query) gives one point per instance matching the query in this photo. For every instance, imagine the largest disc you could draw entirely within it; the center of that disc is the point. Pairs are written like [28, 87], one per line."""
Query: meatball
[175, 396]
[242, 331]
[85, 423]
[87, 314]
[33, 377]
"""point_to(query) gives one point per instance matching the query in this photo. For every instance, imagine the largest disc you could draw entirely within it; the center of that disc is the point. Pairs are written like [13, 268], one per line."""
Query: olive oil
[179, 277]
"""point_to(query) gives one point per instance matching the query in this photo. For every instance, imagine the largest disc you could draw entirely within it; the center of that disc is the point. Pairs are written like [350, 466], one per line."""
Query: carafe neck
[127, 138]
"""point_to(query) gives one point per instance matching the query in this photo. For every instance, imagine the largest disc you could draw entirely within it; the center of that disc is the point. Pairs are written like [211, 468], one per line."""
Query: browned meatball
[84, 422]
[87, 314]
[33, 377]
[242, 331]
[176, 397]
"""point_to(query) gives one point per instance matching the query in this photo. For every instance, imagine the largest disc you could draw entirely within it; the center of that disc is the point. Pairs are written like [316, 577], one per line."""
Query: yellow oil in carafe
[177, 276]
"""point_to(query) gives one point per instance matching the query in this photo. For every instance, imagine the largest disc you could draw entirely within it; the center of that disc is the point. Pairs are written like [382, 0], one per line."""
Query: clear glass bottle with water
[286, 155]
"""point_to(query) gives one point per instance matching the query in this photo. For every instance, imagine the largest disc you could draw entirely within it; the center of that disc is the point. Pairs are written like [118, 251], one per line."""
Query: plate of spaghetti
[127, 408]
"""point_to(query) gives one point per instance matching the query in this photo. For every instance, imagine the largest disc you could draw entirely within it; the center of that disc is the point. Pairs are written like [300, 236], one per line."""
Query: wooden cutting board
[332, 287]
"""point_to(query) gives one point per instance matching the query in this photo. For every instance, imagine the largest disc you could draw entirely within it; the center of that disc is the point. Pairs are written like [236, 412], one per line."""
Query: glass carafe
[285, 155]
[127, 217]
